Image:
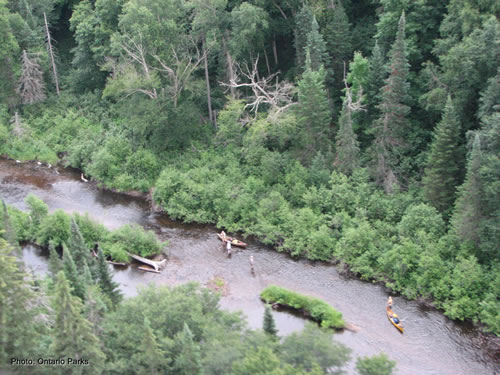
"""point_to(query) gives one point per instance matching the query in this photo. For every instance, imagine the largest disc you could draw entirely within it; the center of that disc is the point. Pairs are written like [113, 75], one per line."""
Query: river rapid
[431, 344]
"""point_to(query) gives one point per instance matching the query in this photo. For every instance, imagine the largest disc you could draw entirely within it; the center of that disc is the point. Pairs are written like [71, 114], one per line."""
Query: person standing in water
[251, 264]
[228, 248]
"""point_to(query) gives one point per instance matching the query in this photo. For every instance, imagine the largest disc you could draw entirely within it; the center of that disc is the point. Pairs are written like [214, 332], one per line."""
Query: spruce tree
[303, 25]
[73, 276]
[72, 333]
[9, 233]
[188, 361]
[151, 358]
[316, 47]
[55, 263]
[336, 31]
[106, 283]
[376, 78]
[469, 207]
[347, 157]
[269, 325]
[392, 125]
[18, 330]
[77, 245]
[313, 111]
[443, 168]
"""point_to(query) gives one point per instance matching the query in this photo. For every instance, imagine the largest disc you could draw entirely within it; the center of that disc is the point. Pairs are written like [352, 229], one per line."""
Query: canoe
[233, 241]
[390, 316]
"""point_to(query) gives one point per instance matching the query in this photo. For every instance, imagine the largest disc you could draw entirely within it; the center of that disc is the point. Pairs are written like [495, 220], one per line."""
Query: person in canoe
[395, 318]
[389, 302]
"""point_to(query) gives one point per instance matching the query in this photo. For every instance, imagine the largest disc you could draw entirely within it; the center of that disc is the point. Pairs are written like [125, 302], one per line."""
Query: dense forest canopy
[361, 132]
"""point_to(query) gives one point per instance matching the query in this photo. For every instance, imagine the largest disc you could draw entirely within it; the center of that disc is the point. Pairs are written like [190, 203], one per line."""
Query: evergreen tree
[72, 275]
[18, 334]
[313, 111]
[316, 47]
[151, 358]
[269, 325]
[442, 174]
[72, 333]
[95, 308]
[9, 233]
[77, 245]
[188, 361]
[392, 126]
[108, 286]
[375, 82]
[469, 206]
[303, 26]
[55, 263]
[347, 158]
[337, 34]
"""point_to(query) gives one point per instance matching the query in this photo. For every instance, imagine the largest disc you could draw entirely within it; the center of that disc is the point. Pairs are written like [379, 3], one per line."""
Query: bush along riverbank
[76, 232]
[314, 308]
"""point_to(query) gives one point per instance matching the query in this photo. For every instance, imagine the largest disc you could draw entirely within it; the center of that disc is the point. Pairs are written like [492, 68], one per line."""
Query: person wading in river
[228, 248]
[251, 264]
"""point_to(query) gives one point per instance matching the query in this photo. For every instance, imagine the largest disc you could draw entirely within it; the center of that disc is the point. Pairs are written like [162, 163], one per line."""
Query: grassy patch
[317, 309]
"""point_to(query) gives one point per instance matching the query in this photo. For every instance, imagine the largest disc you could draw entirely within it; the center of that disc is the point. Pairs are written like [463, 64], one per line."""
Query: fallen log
[148, 269]
[149, 262]
[116, 263]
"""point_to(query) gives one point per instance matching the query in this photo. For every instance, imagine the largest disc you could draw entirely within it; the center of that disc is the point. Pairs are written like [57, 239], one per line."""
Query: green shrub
[319, 310]
[134, 239]
[55, 227]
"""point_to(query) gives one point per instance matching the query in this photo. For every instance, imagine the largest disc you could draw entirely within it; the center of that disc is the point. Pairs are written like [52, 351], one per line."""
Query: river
[431, 344]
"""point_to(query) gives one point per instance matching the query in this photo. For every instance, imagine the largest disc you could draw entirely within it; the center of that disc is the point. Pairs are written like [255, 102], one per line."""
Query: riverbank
[432, 344]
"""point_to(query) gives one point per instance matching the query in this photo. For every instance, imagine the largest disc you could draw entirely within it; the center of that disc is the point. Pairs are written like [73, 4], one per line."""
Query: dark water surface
[431, 344]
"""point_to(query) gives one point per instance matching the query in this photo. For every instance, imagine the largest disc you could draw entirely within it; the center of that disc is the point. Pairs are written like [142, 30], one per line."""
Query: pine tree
[69, 267]
[55, 263]
[152, 358]
[313, 111]
[469, 206]
[72, 333]
[347, 158]
[316, 47]
[337, 34]
[188, 361]
[9, 233]
[303, 26]
[442, 174]
[269, 325]
[18, 334]
[77, 245]
[376, 78]
[392, 125]
[108, 286]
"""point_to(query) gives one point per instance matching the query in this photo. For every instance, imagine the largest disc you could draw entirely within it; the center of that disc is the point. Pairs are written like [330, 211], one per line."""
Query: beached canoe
[394, 319]
[233, 241]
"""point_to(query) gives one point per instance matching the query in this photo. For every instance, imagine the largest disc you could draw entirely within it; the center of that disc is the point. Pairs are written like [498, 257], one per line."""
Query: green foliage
[313, 345]
[55, 227]
[134, 239]
[443, 168]
[105, 280]
[375, 365]
[320, 311]
[269, 325]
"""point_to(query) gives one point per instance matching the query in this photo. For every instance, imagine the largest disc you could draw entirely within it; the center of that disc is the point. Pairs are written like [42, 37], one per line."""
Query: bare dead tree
[18, 128]
[51, 53]
[31, 87]
[136, 52]
[351, 105]
[181, 69]
[278, 95]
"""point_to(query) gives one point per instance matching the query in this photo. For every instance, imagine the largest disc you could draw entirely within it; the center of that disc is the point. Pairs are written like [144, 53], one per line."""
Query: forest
[363, 133]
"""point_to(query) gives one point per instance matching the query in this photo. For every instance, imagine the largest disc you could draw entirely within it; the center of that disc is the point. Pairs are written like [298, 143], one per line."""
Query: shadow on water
[431, 345]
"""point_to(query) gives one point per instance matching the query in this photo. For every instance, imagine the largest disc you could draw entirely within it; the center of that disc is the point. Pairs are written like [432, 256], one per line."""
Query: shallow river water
[431, 344]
